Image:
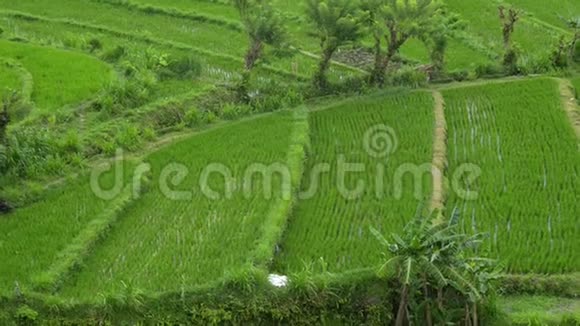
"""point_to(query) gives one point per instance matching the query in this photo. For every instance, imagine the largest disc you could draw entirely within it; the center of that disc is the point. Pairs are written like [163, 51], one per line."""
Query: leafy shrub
[3, 158]
[94, 44]
[128, 69]
[149, 134]
[459, 75]
[26, 315]
[128, 137]
[192, 117]
[131, 93]
[71, 143]
[489, 70]
[531, 284]
[536, 64]
[409, 77]
[183, 68]
[576, 53]
[510, 61]
[209, 117]
[114, 54]
[232, 111]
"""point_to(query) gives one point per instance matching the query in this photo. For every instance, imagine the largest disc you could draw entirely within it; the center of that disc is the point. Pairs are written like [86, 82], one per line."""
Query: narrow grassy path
[569, 104]
[439, 152]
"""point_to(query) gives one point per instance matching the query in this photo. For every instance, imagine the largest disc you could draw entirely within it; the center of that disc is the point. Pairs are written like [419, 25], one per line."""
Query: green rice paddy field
[171, 237]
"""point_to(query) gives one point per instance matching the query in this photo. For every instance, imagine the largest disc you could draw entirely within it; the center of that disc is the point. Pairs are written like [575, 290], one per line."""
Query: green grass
[163, 244]
[60, 77]
[483, 22]
[517, 133]
[10, 79]
[553, 12]
[32, 237]
[61, 35]
[331, 227]
[539, 310]
[209, 37]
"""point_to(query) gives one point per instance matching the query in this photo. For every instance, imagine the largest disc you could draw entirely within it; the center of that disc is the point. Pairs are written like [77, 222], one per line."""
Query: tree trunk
[572, 50]
[402, 306]
[440, 298]
[475, 317]
[320, 80]
[395, 42]
[253, 54]
[377, 75]
[467, 315]
[428, 317]
[507, 38]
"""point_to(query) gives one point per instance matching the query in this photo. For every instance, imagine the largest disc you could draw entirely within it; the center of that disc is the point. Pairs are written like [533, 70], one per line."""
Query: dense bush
[246, 298]
[489, 70]
[408, 77]
[533, 284]
[114, 54]
[186, 67]
[576, 54]
[131, 93]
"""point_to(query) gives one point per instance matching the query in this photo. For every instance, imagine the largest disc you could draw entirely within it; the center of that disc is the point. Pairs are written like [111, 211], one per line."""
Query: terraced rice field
[519, 136]
[214, 38]
[166, 244]
[71, 245]
[60, 77]
[484, 24]
[32, 237]
[328, 226]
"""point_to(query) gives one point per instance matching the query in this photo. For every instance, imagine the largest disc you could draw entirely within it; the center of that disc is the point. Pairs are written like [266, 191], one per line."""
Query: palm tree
[436, 34]
[337, 23]
[264, 26]
[400, 20]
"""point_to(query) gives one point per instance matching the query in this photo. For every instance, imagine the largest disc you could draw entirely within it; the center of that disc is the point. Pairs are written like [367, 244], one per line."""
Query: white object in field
[278, 281]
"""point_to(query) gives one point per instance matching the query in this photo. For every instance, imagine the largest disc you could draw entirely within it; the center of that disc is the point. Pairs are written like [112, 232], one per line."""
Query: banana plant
[263, 26]
[426, 255]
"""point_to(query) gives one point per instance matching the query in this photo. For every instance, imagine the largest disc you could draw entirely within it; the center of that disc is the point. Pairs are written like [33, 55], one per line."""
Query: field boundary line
[569, 103]
[176, 13]
[483, 82]
[147, 39]
[278, 215]
[72, 256]
[26, 77]
[535, 21]
[439, 163]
